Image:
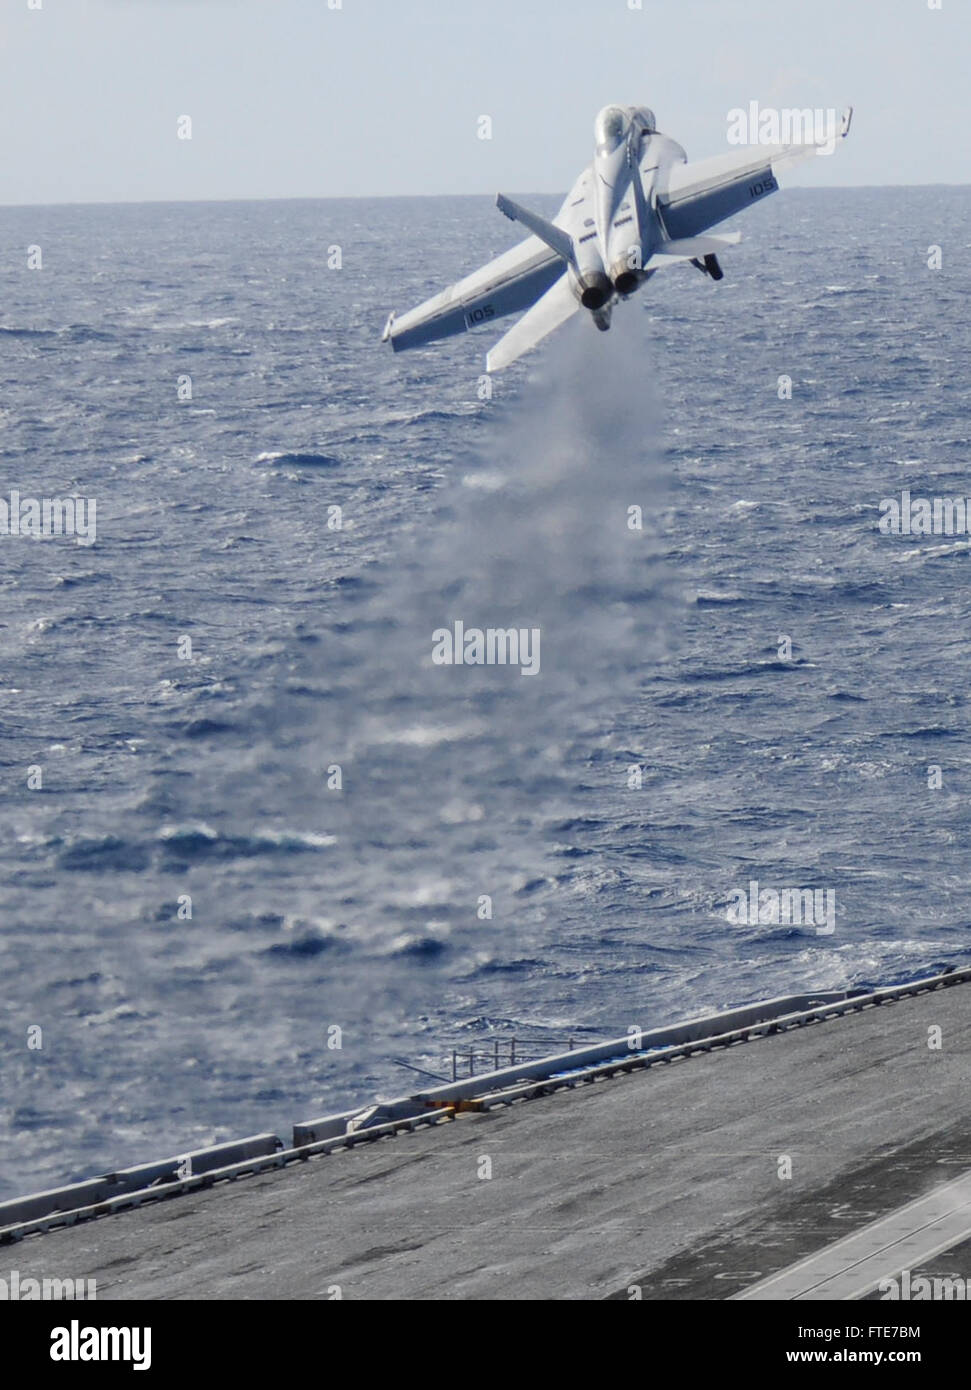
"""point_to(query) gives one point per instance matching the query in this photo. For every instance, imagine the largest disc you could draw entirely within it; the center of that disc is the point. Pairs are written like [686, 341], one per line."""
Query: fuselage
[623, 228]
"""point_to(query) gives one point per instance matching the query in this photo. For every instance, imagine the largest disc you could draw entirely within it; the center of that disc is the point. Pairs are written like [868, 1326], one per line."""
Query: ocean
[244, 817]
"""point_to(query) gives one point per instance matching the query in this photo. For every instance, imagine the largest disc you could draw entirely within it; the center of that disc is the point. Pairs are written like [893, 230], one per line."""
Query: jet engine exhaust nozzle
[595, 290]
[626, 280]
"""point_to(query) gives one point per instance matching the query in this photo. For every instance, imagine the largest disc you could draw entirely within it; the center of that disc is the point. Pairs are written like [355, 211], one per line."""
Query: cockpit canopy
[611, 129]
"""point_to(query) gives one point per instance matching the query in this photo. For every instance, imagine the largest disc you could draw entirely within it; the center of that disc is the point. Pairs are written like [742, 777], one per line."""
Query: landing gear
[710, 266]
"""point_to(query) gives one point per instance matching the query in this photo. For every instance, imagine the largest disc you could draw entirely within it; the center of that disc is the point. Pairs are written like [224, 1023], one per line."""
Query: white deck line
[852, 1267]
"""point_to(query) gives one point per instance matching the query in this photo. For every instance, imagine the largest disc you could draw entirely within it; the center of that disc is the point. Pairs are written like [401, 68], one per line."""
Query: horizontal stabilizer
[555, 237]
[556, 306]
[692, 248]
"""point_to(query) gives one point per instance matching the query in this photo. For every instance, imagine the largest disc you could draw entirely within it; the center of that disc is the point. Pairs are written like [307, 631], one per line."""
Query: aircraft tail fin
[557, 305]
[556, 239]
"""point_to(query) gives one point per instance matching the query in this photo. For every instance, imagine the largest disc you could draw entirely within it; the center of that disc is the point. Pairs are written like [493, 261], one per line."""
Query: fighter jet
[639, 207]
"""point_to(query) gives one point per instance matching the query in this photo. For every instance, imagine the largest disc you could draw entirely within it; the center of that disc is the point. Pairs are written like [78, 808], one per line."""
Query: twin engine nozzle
[625, 279]
[594, 289]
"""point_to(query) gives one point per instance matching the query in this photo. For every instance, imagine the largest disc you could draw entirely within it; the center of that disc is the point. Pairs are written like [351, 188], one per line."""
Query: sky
[354, 98]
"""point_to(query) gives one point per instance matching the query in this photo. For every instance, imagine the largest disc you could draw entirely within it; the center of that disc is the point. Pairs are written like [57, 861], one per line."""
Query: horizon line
[397, 197]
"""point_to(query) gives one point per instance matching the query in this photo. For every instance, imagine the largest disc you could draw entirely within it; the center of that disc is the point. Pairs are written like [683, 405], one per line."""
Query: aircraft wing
[513, 281]
[700, 195]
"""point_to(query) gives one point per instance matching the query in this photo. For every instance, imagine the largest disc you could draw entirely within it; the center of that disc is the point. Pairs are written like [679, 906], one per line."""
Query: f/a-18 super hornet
[638, 207]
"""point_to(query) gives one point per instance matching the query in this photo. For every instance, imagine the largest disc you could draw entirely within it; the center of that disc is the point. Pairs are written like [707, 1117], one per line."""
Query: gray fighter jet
[638, 207]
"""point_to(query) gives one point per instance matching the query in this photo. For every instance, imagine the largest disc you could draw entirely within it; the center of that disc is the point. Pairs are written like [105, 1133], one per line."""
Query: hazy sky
[291, 98]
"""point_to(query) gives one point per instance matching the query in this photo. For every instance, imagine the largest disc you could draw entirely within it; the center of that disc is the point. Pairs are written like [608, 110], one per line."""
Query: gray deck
[665, 1179]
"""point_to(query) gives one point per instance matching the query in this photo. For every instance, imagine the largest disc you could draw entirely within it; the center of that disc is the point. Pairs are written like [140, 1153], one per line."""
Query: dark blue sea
[165, 779]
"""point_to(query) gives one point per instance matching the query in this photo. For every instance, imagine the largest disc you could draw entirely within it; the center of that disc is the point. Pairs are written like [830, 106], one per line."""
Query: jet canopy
[611, 129]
